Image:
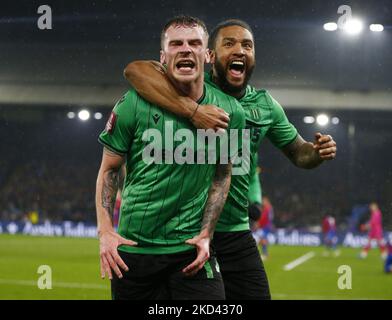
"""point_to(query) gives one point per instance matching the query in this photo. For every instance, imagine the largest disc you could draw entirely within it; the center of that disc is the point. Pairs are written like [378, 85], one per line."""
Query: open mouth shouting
[185, 65]
[237, 69]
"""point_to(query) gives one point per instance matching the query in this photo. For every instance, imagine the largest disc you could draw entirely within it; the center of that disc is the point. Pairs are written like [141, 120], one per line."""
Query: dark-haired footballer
[233, 60]
[169, 209]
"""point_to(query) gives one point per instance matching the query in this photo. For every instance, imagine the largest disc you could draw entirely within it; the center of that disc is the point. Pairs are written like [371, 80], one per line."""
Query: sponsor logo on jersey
[156, 118]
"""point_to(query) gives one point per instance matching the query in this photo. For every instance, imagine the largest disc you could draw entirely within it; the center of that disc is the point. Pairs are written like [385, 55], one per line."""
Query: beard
[225, 85]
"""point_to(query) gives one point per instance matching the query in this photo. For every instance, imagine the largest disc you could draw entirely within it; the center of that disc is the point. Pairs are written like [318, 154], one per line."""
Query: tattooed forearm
[216, 198]
[109, 190]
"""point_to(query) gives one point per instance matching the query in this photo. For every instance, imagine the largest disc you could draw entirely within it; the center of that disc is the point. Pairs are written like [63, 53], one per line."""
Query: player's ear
[162, 57]
[208, 56]
[212, 56]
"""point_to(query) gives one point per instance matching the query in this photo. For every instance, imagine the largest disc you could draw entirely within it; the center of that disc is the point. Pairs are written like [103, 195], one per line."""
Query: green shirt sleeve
[281, 132]
[118, 133]
[254, 193]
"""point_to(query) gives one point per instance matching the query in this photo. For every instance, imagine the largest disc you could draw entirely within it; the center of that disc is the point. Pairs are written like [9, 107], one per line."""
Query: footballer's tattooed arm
[109, 190]
[150, 81]
[109, 178]
[106, 190]
[309, 155]
[216, 200]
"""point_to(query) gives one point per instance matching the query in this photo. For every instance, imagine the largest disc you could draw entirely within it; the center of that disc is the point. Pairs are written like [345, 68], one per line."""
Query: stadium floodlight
[330, 26]
[322, 119]
[335, 120]
[71, 115]
[98, 115]
[309, 119]
[84, 115]
[376, 27]
[353, 26]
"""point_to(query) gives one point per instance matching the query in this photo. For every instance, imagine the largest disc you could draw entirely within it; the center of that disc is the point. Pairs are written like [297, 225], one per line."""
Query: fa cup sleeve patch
[109, 128]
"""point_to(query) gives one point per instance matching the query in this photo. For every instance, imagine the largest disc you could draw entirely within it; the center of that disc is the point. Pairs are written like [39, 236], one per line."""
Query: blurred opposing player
[388, 260]
[330, 238]
[264, 226]
[375, 231]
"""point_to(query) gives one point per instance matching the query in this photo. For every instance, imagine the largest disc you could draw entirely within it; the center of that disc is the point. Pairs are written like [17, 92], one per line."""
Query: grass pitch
[75, 271]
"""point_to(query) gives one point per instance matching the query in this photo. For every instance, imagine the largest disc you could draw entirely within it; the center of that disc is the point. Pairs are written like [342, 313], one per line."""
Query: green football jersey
[264, 117]
[162, 201]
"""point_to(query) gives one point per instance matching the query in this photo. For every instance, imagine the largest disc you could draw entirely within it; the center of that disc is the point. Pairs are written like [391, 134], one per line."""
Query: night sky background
[92, 41]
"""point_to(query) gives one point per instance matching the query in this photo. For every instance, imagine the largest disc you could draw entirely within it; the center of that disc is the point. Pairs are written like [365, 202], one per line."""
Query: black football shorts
[160, 277]
[242, 269]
